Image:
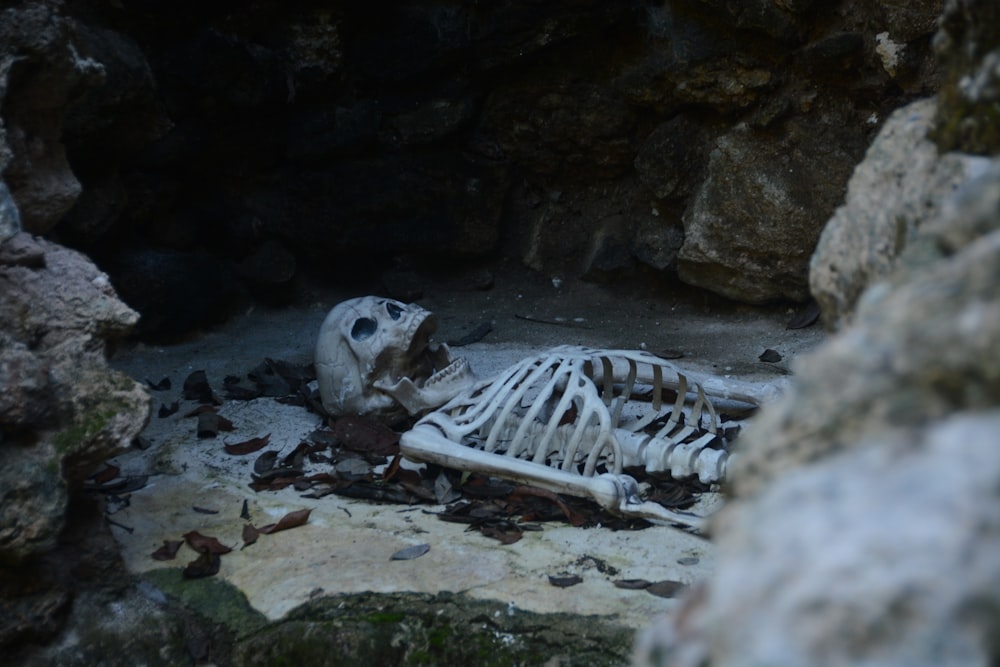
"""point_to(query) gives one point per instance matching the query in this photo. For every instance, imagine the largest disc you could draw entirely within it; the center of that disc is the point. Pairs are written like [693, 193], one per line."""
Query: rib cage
[579, 409]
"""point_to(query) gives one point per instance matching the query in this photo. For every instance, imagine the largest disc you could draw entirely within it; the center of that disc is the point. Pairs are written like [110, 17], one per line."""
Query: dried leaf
[409, 553]
[106, 474]
[805, 317]
[473, 336]
[204, 510]
[210, 423]
[205, 565]
[565, 581]
[167, 410]
[162, 385]
[770, 356]
[247, 446]
[250, 535]
[505, 533]
[168, 551]
[205, 544]
[365, 435]
[265, 462]
[245, 512]
[632, 584]
[666, 588]
[290, 520]
[196, 388]
[574, 518]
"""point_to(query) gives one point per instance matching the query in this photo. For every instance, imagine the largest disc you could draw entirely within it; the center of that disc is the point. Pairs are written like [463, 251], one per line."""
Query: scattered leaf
[805, 317]
[162, 385]
[265, 462]
[205, 544]
[105, 474]
[245, 512]
[204, 510]
[506, 532]
[409, 553]
[365, 435]
[250, 535]
[632, 584]
[247, 446]
[196, 388]
[574, 518]
[473, 336]
[688, 560]
[206, 565]
[168, 551]
[666, 588]
[167, 410]
[565, 581]
[290, 520]
[210, 423]
[770, 356]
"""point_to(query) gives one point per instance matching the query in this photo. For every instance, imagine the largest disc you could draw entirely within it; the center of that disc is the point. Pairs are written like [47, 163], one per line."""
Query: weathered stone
[968, 44]
[562, 130]
[670, 162]
[46, 73]
[898, 186]
[885, 555]
[63, 410]
[753, 224]
[10, 219]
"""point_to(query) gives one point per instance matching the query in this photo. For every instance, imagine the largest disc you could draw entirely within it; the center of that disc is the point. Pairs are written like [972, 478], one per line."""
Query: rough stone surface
[884, 555]
[359, 138]
[899, 185]
[63, 410]
[755, 220]
[865, 525]
[968, 44]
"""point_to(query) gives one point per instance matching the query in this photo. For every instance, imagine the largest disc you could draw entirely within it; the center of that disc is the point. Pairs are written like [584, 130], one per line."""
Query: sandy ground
[347, 544]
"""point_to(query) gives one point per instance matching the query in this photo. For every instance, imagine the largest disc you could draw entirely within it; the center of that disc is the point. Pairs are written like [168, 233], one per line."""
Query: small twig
[122, 526]
[558, 323]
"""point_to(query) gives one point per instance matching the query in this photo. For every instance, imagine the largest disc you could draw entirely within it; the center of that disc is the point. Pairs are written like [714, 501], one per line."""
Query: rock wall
[205, 153]
[865, 524]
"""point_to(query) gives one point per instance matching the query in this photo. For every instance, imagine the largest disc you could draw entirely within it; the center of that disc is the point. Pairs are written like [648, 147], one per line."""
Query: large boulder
[867, 519]
[63, 410]
[753, 224]
[897, 187]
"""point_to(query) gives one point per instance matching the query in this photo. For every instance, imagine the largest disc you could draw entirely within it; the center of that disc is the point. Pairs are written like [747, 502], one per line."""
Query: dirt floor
[346, 546]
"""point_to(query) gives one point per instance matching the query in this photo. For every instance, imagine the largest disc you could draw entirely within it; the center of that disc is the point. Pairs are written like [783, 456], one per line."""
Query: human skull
[374, 357]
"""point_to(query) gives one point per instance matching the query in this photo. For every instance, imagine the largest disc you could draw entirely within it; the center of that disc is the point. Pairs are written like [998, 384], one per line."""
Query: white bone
[555, 419]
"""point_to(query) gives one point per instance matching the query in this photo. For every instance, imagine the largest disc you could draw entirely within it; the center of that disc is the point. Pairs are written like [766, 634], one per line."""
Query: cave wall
[197, 152]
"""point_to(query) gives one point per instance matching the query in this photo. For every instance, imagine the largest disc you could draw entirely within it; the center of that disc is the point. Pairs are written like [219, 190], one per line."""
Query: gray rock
[899, 185]
[886, 555]
[10, 219]
[63, 411]
[753, 224]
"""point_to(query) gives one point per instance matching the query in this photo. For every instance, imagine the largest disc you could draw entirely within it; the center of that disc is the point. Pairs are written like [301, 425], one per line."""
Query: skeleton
[570, 420]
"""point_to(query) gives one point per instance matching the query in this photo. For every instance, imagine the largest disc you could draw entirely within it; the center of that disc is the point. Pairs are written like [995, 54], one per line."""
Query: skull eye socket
[395, 312]
[363, 328]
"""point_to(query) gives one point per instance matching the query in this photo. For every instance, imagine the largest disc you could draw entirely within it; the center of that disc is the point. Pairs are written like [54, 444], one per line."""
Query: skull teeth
[457, 366]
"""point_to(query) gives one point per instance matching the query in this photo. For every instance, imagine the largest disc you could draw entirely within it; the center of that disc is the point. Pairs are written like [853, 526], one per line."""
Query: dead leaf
[632, 584]
[167, 410]
[204, 510]
[565, 581]
[805, 317]
[196, 388]
[367, 436]
[574, 518]
[770, 356]
[162, 385]
[205, 565]
[409, 553]
[250, 535]
[247, 446]
[505, 532]
[106, 474]
[210, 423]
[666, 588]
[205, 544]
[290, 520]
[168, 551]
[265, 462]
